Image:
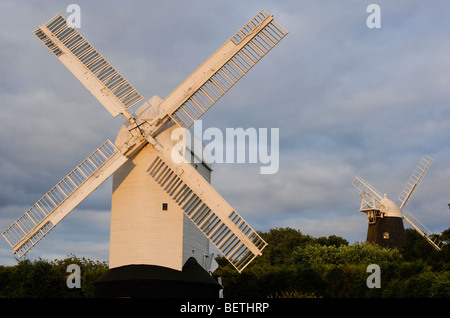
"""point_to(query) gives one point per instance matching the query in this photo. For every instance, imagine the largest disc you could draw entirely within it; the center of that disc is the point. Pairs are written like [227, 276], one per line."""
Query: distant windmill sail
[422, 230]
[414, 180]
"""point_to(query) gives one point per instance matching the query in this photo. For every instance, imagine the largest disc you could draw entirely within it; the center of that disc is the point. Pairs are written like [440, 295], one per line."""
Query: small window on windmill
[386, 235]
[164, 206]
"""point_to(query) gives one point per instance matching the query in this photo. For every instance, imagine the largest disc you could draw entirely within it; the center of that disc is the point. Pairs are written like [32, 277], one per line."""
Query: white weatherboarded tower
[147, 227]
[164, 210]
[385, 217]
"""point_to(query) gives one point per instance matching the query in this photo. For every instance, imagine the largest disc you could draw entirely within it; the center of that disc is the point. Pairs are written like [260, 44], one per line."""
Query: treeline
[293, 265]
[44, 279]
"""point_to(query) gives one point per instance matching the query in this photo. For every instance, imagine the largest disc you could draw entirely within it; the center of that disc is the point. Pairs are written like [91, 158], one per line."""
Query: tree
[43, 279]
[90, 272]
[282, 242]
[274, 273]
[417, 248]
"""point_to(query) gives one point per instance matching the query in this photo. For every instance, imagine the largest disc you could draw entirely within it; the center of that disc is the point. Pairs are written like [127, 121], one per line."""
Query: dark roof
[191, 272]
[151, 281]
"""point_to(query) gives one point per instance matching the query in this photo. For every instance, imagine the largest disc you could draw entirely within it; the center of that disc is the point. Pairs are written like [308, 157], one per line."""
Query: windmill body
[385, 217]
[164, 210]
[146, 226]
[387, 229]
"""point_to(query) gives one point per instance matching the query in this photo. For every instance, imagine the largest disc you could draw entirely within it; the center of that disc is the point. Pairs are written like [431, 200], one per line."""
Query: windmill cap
[392, 209]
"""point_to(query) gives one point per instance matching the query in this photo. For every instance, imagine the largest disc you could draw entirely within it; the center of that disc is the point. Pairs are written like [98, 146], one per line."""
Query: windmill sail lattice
[88, 65]
[371, 197]
[423, 230]
[364, 187]
[415, 179]
[232, 236]
[192, 98]
[35, 223]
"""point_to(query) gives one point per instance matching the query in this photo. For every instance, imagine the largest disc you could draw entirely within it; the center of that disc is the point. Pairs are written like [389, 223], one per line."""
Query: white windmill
[163, 213]
[385, 218]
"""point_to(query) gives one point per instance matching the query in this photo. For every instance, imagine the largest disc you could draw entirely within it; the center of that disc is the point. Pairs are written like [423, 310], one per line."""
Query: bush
[43, 279]
[358, 253]
[294, 265]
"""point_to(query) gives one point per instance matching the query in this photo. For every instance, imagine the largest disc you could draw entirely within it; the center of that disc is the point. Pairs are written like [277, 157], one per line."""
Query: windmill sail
[415, 179]
[56, 204]
[370, 196]
[364, 187]
[422, 230]
[223, 226]
[192, 98]
[110, 88]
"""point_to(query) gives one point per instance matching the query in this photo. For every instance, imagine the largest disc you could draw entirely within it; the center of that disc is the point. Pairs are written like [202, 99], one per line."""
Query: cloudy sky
[347, 100]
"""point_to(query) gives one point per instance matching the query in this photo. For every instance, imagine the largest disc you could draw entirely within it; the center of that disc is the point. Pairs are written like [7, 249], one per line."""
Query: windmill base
[151, 281]
[387, 232]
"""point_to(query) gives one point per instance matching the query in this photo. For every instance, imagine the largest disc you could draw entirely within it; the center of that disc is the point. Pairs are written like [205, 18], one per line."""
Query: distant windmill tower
[164, 213]
[385, 218]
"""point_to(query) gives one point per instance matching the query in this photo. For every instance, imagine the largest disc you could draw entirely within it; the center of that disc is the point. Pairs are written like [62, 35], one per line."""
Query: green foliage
[294, 265]
[28, 279]
[43, 279]
[284, 241]
[358, 253]
[418, 248]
